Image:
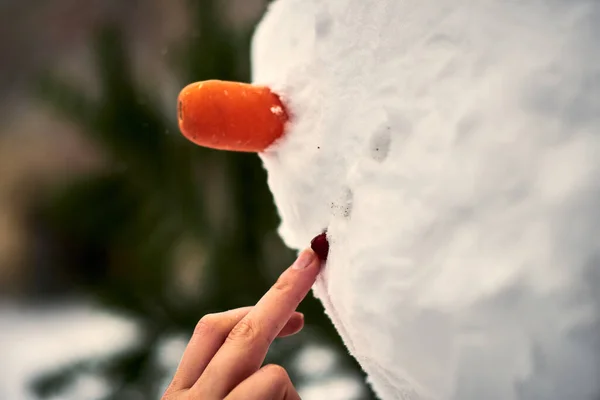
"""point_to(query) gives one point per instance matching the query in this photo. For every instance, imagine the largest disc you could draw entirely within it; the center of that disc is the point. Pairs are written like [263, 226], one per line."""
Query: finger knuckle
[207, 325]
[277, 373]
[172, 396]
[173, 388]
[246, 331]
[182, 395]
[283, 286]
[169, 391]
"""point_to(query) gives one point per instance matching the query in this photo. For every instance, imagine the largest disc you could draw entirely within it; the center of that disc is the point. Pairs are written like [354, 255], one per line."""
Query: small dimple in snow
[323, 25]
[440, 40]
[277, 110]
[343, 206]
[467, 126]
[379, 145]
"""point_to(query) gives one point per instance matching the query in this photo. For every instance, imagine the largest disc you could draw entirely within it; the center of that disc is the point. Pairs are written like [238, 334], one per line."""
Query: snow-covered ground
[36, 340]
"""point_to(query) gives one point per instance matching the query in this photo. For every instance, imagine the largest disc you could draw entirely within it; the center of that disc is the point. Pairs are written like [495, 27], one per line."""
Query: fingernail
[304, 260]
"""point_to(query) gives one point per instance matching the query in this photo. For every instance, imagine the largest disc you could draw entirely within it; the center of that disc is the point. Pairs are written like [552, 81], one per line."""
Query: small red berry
[320, 245]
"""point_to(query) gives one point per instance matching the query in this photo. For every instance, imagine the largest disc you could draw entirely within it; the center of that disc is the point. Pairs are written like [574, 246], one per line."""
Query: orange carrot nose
[231, 115]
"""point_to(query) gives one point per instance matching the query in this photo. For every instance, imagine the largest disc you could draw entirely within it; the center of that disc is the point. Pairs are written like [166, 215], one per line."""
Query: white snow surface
[452, 151]
[35, 341]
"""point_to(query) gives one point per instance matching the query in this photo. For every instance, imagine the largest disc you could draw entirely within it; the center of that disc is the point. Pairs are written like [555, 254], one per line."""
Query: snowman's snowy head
[452, 153]
[338, 168]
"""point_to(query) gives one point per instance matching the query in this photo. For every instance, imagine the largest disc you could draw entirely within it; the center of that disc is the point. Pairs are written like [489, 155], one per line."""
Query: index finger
[245, 348]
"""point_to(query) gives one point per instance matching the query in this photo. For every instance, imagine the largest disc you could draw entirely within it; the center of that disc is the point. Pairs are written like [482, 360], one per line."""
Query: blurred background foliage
[164, 231]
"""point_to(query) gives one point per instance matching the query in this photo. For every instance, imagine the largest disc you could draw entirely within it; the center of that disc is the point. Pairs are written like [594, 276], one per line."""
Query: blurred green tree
[124, 228]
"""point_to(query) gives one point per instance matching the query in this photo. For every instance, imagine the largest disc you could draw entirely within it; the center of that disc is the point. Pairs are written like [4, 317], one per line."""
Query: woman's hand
[224, 356]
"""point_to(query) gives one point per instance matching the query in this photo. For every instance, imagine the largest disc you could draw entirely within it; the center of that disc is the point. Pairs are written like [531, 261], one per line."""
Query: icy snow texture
[452, 150]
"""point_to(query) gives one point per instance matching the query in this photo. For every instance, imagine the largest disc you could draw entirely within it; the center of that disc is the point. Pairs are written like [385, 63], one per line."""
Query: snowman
[450, 152]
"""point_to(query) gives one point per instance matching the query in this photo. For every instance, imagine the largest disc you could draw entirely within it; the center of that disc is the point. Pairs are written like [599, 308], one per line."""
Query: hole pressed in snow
[379, 145]
[342, 206]
[323, 25]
